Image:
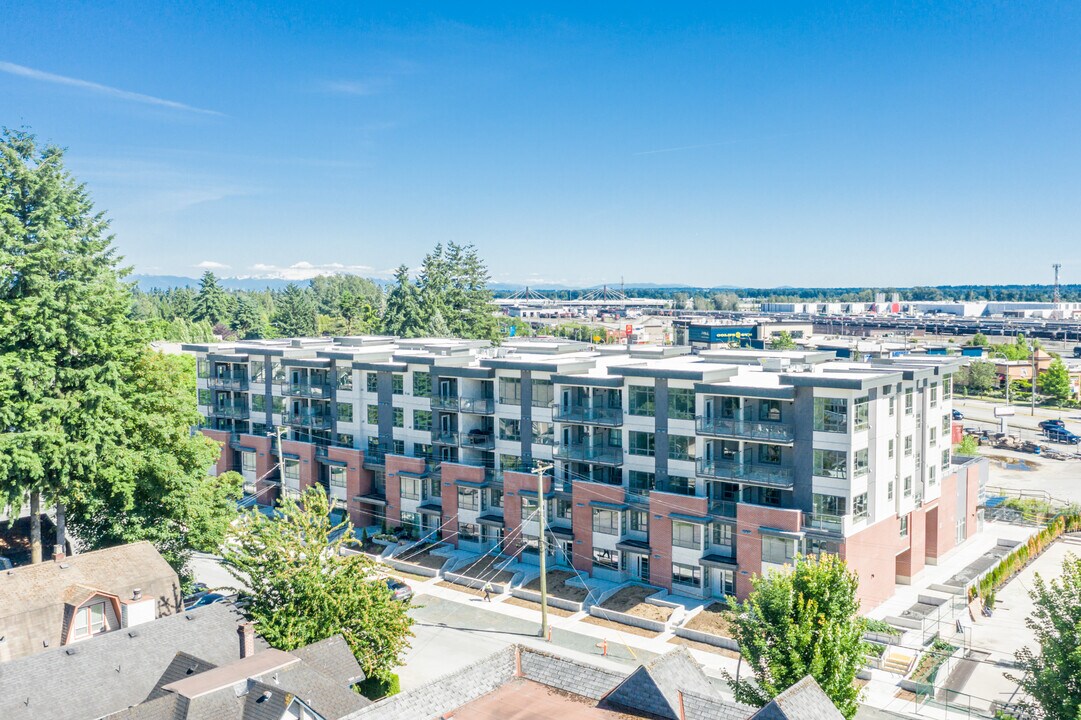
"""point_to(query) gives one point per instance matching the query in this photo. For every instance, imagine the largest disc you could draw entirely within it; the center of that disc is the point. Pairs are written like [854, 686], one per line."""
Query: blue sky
[756, 144]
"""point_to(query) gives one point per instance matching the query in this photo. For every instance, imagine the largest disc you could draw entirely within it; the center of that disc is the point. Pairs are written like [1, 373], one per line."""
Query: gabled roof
[118, 669]
[34, 598]
[803, 701]
[655, 686]
[333, 658]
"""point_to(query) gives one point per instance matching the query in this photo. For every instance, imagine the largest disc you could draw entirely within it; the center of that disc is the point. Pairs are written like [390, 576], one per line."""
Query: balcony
[445, 438]
[579, 414]
[228, 382]
[722, 508]
[822, 521]
[234, 412]
[771, 432]
[770, 475]
[593, 454]
[476, 406]
[319, 390]
[478, 440]
[375, 456]
[447, 403]
[308, 419]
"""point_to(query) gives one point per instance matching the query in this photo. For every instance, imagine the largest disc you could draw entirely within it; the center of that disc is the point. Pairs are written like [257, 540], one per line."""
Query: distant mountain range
[163, 282]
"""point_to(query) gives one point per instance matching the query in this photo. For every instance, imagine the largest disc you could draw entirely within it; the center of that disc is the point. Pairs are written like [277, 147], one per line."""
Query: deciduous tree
[798, 623]
[1055, 381]
[304, 590]
[1052, 677]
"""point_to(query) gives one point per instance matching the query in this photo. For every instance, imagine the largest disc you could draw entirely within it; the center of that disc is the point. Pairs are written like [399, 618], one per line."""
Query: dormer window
[89, 620]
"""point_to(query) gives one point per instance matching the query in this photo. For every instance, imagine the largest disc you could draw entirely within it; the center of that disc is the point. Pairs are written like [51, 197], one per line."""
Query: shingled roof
[803, 701]
[34, 598]
[655, 686]
[118, 669]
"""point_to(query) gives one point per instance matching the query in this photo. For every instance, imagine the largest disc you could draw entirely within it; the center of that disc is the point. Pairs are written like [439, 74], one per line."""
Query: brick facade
[661, 504]
[749, 520]
[582, 494]
[359, 514]
[225, 462]
[872, 555]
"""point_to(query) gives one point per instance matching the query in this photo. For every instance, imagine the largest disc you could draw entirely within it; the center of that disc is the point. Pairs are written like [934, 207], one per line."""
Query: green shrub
[376, 688]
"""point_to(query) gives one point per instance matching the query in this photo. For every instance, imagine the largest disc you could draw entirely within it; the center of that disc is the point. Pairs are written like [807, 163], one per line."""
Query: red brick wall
[943, 537]
[396, 463]
[957, 433]
[266, 487]
[359, 514]
[308, 468]
[910, 563]
[749, 518]
[660, 531]
[972, 477]
[582, 494]
[225, 456]
[451, 473]
[513, 484]
[872, 555]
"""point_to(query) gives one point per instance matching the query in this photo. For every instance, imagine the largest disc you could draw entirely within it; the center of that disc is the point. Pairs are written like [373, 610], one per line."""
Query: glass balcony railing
[594, 454]
[609, 417]
[758, 474]
[235, 412]
[445, 402]
[312, 389]
[824, 521]
[445, 438]
[775, 432]
[228, 382]
[477, 406]
[722, 508]
[477, 440]
[315, 420]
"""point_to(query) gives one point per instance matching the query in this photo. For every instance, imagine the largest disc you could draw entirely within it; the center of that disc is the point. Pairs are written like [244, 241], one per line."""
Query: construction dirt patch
[711, 620]
[461, 588]
[620, 627]
[519, 602]
[486, 568]
[632, 600]
[557, 586]
[401, 574]
[424, 558]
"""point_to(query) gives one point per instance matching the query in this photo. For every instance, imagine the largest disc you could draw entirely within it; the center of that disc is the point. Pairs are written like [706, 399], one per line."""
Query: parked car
[1057, 434]
[206, 599]
[399, 590]
[1052, 424]
[958, 415]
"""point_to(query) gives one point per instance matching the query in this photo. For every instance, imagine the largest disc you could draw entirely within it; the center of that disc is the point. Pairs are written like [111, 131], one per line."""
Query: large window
[510, 391]
[277, 405]
[258, 402]
[641, 443]
[606, 522]
[247, 461]
[90, 620]
[769, 410]
[686, 535]
[468, 499]
[640, 400]
[945, 426]
[496, 497]
[690, 575]
[730, 408]
[904, 526]
[291, 469]
[860, 463]
[680, 447]
[397, 384]
[345, 379]
[861, 413]
[908, 401]
[510, 429]
[724, 535]
[641, 482]
[769, 454]
[345, 440]
[908, 485]
[345, 412]
[945, 460]
[831, 415]
[831, 463]
[947, 388]
[639, 521]
[422, 419]
[908, 445]
[206, 397]
[542, 393]
[258, 371]
[564, 508]
[680, 403]
[468, 532]
[859, 506]
[422, 384]
[373, 414]
[372, 380]
[399, 417]
[778, 550]
[934, 394]
[337, 477]
[543, 433]
[411, 487]
[828, 504]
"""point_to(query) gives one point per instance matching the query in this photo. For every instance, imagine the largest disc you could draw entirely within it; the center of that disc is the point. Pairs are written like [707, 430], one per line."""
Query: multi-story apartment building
[688, 471]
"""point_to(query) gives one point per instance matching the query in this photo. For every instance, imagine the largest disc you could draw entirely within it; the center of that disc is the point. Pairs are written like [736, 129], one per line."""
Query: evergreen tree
[433, 283]
[65, 337]
[804, 622]
[212, 303]
[358, 313]
[295, 315]
[248, 319]
[403, 316]
[437, 326]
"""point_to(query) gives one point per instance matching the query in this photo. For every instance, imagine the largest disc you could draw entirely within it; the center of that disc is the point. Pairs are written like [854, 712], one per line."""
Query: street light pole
[540, 470]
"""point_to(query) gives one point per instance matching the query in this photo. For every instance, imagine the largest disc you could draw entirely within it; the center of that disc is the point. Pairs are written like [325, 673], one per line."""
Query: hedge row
[1023, 555]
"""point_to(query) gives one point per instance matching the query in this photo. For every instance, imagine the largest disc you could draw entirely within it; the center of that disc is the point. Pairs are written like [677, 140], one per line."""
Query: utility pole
[1056, 296]
[541, 503]
[1032, 395]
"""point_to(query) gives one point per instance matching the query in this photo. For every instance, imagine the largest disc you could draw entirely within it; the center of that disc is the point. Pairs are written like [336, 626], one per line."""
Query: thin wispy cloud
[212, 265]
[42, 76]
[305, 270]
[359, 88]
